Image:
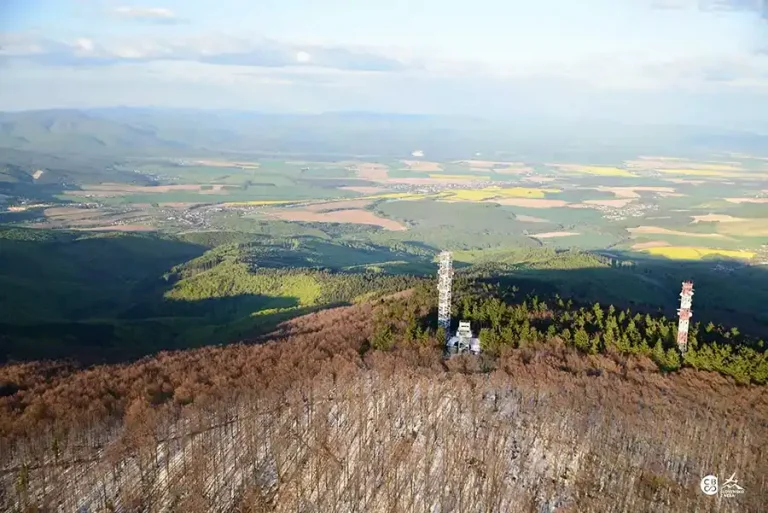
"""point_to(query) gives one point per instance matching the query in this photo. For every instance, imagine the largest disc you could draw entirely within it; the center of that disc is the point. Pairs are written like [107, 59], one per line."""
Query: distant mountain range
[129, 132]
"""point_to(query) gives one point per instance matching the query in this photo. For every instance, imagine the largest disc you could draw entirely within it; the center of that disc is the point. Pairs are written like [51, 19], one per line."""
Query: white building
[464, 340]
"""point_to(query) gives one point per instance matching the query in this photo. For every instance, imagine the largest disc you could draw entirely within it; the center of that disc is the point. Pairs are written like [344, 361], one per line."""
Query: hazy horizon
[644, 61]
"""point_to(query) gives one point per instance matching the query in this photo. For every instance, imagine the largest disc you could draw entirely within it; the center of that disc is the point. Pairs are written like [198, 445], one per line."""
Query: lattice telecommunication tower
[685, 314]
[444, 283]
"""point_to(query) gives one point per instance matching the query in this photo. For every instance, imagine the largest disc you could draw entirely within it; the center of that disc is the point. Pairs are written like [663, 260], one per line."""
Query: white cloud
[302, 57]
[84, 44]
[151, 14]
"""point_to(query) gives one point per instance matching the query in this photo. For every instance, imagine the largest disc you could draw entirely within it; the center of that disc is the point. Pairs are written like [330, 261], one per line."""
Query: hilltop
[316, 412]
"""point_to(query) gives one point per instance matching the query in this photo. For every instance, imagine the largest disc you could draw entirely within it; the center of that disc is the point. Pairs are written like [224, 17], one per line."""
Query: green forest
[505, 320]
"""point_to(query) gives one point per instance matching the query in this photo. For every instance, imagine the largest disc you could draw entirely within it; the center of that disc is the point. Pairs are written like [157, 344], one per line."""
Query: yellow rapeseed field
[490, 193]
[605, 171]
[697, 253]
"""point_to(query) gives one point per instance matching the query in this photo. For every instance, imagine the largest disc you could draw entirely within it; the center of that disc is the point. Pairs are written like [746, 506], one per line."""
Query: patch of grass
[235, 279]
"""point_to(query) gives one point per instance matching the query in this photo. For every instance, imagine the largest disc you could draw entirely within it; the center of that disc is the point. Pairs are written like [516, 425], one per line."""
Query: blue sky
[692, 61]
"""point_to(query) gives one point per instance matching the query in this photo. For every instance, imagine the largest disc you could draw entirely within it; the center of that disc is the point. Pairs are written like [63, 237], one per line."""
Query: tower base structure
[464, 341]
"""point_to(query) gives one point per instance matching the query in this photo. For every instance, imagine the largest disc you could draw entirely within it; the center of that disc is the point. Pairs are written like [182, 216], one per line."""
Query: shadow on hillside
[102, 297]
[726, 292]
[173, 325]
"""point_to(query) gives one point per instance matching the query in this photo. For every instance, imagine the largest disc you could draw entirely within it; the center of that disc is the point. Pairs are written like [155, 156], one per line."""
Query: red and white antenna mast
[685, 314]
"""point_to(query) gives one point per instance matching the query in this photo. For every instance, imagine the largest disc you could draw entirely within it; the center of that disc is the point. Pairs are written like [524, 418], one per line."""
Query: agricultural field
[671, 207]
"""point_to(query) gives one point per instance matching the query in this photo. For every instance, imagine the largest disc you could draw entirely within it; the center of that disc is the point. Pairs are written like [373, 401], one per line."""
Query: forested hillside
[320, 416]
[108, 297]
[506, 320]
[97, 297]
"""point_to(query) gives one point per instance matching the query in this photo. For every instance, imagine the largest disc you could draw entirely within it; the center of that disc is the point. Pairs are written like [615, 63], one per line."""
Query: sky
[650, 61]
